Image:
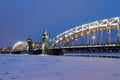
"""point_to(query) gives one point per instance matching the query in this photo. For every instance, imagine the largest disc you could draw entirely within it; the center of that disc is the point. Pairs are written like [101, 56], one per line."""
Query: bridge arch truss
[93, 28]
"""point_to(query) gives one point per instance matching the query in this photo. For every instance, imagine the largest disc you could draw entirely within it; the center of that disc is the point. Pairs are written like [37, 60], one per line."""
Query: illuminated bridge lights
[87, 32]
[87, 46]
[101, 29]
[109, 28]
[93, 30]
[81, 35]
[106, 25]
[93, 37]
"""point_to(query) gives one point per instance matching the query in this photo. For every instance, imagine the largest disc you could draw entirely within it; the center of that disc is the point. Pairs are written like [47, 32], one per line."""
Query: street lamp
[93, 38]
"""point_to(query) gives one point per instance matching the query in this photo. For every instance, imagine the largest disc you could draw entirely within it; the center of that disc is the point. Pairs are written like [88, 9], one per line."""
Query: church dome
[20, 45]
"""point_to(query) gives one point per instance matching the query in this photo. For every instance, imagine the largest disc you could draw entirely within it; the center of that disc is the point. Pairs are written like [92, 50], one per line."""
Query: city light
[93, 37]
[81, 34]
[101, 29]
[87, 33]
[109, 28]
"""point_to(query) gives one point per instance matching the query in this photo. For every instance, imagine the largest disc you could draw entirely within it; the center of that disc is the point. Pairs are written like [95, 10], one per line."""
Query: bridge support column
[101, 35]
[108, 36]
[94, 39]
[119, 37]
[82, 40]
[88, 39]
[76, 42]
[76, 39]
[97, 37]
[118, 34]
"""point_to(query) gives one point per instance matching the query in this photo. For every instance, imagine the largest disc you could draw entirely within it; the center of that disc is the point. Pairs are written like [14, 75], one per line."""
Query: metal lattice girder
[106, 24]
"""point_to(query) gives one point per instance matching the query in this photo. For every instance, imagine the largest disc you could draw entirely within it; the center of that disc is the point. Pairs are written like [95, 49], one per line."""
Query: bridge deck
[104, 55]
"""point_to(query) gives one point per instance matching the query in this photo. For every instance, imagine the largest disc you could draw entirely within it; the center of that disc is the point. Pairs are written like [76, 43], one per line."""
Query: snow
[40, 67]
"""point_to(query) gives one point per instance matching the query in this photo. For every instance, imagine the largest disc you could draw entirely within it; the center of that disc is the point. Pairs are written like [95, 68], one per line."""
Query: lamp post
[108, 34]
[101, 34]
[93, 38]
[88, 37]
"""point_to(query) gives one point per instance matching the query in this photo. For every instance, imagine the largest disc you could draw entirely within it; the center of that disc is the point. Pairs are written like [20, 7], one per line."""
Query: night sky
[22, 18]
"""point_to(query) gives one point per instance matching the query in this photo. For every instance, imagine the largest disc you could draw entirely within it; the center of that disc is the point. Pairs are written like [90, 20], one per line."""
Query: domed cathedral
[25, 46]
[31, 47]
[20, 46]
[45, 42]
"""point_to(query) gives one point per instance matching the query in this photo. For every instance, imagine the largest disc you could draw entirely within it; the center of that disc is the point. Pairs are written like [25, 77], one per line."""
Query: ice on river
[39, 67]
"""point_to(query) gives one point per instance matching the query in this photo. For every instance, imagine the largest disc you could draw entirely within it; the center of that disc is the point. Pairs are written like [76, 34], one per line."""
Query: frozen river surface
[39, 67]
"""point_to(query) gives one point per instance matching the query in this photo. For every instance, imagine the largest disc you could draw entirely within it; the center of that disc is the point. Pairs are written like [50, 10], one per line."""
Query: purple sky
[21, 18]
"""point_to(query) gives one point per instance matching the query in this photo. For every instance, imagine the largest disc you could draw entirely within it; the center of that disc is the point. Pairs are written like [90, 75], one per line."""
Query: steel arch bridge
[86, 30]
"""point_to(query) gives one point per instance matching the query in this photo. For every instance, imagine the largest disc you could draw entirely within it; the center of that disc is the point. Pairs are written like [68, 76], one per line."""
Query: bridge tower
[45, 42]
[29, 46]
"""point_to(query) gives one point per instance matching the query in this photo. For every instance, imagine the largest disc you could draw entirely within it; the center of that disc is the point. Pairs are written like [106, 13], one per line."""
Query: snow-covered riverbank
[39, 67]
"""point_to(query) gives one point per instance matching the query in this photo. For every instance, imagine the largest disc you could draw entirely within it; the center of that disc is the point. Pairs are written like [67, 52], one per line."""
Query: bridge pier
[45, 43]
[93, 38]
[82, 40]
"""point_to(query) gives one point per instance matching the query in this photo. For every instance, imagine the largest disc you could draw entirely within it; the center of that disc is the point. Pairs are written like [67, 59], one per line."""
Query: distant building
[6, 50]
[22, 45]
[36, 45]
